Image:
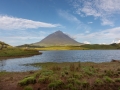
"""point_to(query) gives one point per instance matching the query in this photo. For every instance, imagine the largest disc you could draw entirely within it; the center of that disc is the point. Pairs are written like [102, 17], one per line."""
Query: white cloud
[71, 36]
[12, 23]
[79, 25]
[107, 22]
[104, 9]
[87, 31]
[102, 36]
[117, 40]
[22, 37]
[86, 42]
[103, 44]
[90, 22]
[68, 16]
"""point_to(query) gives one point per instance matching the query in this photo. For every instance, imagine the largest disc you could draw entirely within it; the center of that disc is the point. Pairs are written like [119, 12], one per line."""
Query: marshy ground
[65, 76]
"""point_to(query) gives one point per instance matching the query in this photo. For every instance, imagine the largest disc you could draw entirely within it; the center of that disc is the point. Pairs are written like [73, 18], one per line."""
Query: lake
[97, 56]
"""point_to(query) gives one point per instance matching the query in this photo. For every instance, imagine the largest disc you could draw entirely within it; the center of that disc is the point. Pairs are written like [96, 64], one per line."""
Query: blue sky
[87, 21]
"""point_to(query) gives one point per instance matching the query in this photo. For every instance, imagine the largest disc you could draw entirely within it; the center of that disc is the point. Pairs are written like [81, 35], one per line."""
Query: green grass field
[74, 76]
[16, 52]
[104, 47]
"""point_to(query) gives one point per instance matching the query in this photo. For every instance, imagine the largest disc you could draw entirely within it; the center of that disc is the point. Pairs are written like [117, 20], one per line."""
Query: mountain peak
[58, 31]
[57, 38]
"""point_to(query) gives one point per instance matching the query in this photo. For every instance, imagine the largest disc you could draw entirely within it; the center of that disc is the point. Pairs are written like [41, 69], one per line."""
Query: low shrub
[72, 67]
[55, 84]
[47, 73]
[118, 69]
[77, 82]
[59, 83]
[98, 82]
[63, 74]
[52, 86]
[53, 78]
[109, 73]
[108, 79]
[117, 80]
[76, 75]
[89, 71]
[37, 74]
[85, 84]
[78, 68]
[118, 88]
[66, 72]
[56, 68]
[26, 81]
[79, 64]
[80, 76]
[28, 88]
[69, 86]
[43, 80]
[118, 72]
[71, 80]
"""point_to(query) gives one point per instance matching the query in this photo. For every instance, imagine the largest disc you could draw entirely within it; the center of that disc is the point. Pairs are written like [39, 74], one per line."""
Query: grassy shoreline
[9, 53]
[22, 56]
[113, 46]
[66, 76]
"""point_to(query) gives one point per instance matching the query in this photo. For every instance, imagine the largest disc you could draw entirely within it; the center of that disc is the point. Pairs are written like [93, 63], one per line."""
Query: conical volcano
[57, 38]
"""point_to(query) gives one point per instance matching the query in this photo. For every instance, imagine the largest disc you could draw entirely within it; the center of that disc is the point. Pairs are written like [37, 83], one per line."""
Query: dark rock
[113, 60]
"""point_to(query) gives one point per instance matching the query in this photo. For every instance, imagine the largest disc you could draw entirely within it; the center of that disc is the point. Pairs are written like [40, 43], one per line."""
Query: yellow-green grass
[104, 47]
[28, 88]
[77, 76]
[61, 48]
[17, 52]
[81, 47]
[2, 73]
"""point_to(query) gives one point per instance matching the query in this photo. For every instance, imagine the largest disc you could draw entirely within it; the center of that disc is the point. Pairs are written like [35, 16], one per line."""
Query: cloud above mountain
[13, 23]
[107, 35]
[103, 9]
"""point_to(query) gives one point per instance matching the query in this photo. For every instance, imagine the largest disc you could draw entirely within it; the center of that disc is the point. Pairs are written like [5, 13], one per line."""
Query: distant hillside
[57, 38]
[81, 47]
[98, 46]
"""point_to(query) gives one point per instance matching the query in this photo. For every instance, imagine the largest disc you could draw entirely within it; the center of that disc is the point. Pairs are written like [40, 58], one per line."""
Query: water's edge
[98, 56]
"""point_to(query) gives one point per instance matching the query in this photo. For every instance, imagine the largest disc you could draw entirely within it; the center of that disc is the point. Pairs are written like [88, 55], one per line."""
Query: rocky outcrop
[113, 60]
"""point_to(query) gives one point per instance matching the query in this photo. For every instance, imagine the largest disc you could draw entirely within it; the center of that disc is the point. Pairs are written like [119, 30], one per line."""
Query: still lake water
[59, 56]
